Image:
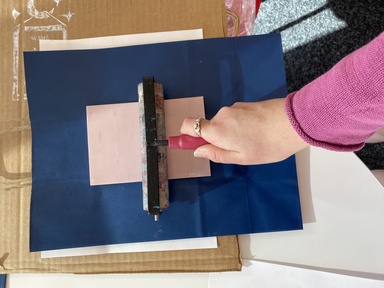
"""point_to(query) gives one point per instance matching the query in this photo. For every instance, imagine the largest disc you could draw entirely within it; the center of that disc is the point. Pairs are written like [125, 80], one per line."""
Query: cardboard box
[23, 23]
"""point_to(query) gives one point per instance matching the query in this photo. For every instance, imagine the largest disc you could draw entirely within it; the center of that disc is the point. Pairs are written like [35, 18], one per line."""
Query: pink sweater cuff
[345, 106]
[316, 141]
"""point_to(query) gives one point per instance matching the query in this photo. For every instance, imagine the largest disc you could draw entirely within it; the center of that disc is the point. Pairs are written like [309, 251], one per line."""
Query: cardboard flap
[23, 23]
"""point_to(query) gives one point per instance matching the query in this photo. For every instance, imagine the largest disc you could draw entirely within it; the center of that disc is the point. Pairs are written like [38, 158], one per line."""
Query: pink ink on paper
[114, 142]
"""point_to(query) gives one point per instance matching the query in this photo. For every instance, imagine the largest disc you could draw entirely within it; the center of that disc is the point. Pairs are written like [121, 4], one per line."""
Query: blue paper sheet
[67, 212]
[3, 278]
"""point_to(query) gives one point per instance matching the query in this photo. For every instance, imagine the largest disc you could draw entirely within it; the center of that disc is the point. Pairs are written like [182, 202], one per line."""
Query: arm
[337, 111]
[342, 108]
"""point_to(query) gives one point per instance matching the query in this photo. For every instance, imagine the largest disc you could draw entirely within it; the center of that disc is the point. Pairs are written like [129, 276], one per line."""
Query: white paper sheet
[266, 275]
[116, 41]
[185, 244]
[121, 40]
[347, 228]
[173, 280]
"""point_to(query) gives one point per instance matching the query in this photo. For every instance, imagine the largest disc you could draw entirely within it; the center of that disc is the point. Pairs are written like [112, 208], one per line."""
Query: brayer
[154, 146]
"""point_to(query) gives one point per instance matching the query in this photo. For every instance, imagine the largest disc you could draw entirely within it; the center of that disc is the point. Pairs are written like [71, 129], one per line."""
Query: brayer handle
[185, 142]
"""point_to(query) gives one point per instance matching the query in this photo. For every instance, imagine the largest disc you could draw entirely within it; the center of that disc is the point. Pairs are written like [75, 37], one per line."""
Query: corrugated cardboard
[22, 24]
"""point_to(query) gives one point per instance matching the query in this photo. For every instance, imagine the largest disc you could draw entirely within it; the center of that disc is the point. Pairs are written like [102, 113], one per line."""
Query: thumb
[217, 154]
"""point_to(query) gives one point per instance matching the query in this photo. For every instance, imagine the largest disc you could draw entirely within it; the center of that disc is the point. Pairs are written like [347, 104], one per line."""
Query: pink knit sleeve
[345, 106]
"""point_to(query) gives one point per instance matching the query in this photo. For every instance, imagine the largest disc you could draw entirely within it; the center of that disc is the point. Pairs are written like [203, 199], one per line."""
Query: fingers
[240, 105]
[217, 154]
[208, 151]
[188, 126]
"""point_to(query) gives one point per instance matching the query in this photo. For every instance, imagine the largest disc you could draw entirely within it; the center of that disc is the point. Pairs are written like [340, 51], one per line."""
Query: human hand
[247, 133]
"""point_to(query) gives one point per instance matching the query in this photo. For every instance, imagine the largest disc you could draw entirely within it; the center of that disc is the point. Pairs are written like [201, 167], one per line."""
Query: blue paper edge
[3, 280]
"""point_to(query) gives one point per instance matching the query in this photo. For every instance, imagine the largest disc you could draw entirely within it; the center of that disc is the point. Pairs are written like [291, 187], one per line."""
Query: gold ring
[197, 127]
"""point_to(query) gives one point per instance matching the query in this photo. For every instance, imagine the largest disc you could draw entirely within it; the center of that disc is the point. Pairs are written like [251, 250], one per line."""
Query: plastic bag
[241, 15]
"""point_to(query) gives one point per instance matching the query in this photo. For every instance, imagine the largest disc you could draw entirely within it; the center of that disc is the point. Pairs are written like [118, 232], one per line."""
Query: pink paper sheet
[114, 142]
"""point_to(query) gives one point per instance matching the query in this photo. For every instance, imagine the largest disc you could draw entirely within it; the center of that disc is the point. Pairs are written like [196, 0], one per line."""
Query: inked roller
[153, 157]
[154, 146]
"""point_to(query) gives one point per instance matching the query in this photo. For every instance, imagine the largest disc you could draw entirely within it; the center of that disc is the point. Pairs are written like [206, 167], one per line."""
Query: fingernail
[199, 154]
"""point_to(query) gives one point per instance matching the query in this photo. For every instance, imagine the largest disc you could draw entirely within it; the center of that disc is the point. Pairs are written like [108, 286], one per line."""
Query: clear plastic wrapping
[241, 15]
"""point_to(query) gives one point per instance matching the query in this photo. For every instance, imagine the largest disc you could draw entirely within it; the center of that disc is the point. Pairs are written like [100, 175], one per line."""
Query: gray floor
[316, 34]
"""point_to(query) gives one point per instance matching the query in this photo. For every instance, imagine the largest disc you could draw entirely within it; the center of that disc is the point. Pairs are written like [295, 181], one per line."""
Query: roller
[154, 146]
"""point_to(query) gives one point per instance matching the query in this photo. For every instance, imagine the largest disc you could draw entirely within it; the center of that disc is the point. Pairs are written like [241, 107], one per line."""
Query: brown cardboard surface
[22, 24]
